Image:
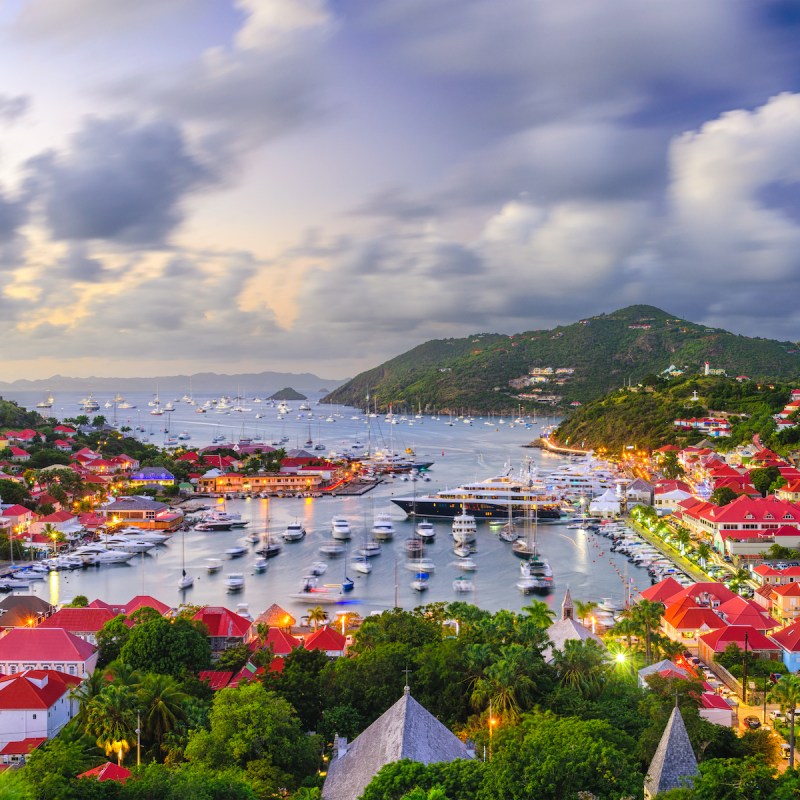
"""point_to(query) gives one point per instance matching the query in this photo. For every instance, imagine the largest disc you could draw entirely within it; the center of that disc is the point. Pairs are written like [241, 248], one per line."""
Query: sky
[247, 185]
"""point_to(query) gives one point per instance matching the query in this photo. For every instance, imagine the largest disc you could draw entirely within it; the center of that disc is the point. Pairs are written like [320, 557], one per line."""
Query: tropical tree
[723, 495]
[683, 538]
[317, 616]
[704, 552]
[646, 615]
[111, 719]
[162, 703]
[539, 613]
[786, 693]
[581, 666]
[86, 691]
[584, 608]
[506, 684]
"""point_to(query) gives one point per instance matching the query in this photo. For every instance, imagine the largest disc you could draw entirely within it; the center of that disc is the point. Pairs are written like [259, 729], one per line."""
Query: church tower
[567, 609]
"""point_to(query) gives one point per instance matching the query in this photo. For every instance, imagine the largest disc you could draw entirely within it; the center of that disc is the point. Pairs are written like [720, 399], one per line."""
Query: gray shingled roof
[406, 730]
[562, 631]
[674, 765]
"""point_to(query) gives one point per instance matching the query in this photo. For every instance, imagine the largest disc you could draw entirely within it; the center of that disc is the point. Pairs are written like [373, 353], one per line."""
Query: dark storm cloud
[12, 107]
[119, 181]
[13, 214]
[394, 203]
[77, 266]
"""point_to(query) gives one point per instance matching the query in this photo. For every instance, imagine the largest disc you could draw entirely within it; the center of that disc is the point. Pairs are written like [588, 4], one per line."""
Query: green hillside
[643, 417]
[603, 353]
[13, 417]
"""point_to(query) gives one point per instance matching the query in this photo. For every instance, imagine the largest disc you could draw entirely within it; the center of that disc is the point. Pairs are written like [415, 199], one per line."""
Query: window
[33, 716]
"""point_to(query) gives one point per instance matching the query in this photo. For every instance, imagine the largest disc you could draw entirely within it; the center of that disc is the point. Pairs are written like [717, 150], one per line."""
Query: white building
[35, 704]
[46, 649]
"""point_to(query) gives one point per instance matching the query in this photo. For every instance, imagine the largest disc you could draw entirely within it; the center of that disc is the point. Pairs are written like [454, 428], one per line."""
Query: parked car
[777, 715]
[726, 558]
[752, 722]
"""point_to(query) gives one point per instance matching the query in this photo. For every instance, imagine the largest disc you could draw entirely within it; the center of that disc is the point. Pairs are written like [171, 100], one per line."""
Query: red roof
[78, 620]
[16, 511]
[107, 772]
[734, 634]
[787, 590]
[789, 637]
[668, 448]
[58, 516]
[222, 622]
[748, 509]
[325, 639]
[282, 643]
[34, 688]
[43, 644]
[710, 700]
[738, 611]
[23, 747]
[705, 591]
[686, 615]
[216, 679]
[662, 591]
[142, 601]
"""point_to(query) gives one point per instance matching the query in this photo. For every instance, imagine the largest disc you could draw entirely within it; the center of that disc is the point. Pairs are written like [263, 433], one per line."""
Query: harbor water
[461, 451]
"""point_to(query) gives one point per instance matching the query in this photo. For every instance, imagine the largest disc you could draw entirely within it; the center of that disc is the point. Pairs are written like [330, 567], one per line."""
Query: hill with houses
[568, 364]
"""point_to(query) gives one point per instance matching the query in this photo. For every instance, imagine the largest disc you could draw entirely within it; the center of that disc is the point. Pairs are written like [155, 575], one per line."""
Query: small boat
[331, 548]
[235, 552]
[294, 532]
[414, 546]
[420, 582]
[186, 581]
[425, 530]
[508, 534]
[463, 584]
[369, 549]
[318, 568]
[314, 594]
[210, 525]
[213, 565]
[253, 538]
[421, 565]
[361, 564]
[463, 550]
[260, 564]
[270, 549]
[347, 584]
[234, 581]
[466, 564]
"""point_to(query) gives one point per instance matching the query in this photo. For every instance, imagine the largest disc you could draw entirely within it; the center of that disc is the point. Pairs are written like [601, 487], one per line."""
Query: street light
[492, 723]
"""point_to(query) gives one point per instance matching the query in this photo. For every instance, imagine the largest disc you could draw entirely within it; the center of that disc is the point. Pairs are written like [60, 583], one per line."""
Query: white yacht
[129, 544]
[97, 554]
[213, 565]
[425, 530]
[382, 527]
[340, 528]
[294, 532]
[465, 529]
[234, 581]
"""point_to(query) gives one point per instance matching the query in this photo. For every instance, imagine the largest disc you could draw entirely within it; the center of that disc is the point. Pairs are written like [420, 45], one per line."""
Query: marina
[458, 455]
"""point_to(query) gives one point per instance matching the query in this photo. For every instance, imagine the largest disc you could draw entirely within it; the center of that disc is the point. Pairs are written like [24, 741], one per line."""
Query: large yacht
[585, 477]
[494, 498]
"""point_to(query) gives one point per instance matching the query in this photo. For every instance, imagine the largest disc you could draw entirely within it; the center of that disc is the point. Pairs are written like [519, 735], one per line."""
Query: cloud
[120, 180]
[13, 107]
[13, 214]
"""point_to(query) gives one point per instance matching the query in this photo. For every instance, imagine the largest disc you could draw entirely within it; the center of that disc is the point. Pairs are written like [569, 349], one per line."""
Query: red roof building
[279, 641]
[46, 648]
[687, 620]
[738, 611]
[715, 642]
[662, 592]
[330, 641]
[83, 622]
[14, 753]
[225, 628]
[706, 593]
[216, 679]
[107, 772]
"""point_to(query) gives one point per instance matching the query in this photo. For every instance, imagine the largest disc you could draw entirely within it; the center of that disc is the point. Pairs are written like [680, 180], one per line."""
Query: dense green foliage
[605, 351]
[644, 419]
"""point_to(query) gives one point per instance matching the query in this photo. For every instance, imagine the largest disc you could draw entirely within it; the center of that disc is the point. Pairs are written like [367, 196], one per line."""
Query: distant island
[562, 367]
[287, 394]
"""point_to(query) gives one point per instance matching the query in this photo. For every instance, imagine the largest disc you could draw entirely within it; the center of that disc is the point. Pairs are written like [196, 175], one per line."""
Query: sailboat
[536, 573]
[269, 549]
[186, 580]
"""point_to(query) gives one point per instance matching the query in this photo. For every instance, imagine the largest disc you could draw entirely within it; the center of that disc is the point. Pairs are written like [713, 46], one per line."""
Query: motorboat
[332, 548]
[234, 581]
[294, 532]
[96, 554]
[463, 550]
[209, 525]
[420, 582]
[421, 565]
[237, 551]
[382, 527]
[260, 564]
[466, 564]
[213, 565]
[315, 594]
[465, 529]
[220, 515]
[340, 528]
[318, 568]
[252, 538]
[362, 564]
[425, 530]
[140, 535]
[369, 549]
[463, 584]
[128, 543]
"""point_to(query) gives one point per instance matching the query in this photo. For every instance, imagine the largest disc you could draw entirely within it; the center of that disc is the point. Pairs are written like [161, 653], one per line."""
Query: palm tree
[123, 674]
[317, 616]
[86, 691]
[583, 609]
[540, 614]
[111, 718]
[704, 552]
[162, 702]
[683, 538]
[53, 534]
[505, 684]
[786, 693]
[647, 616]
[581, 666]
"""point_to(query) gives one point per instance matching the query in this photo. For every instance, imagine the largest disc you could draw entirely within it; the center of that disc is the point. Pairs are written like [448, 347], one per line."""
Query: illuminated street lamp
[492, 724]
